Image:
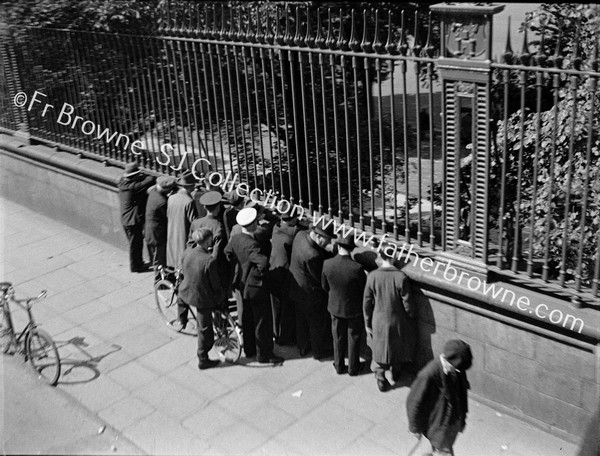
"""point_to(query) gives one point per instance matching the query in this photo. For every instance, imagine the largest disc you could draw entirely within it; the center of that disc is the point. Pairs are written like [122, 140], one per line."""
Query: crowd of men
[295, 284]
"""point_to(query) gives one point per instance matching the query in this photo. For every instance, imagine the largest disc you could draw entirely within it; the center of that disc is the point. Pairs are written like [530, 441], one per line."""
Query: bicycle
[228, 335]
[34, 343]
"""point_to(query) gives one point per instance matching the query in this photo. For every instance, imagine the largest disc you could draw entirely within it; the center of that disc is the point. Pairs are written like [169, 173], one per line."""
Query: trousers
[135, 236]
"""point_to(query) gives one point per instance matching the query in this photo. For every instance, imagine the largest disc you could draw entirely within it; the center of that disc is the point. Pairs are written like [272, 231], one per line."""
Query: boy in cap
[344, 279]
[389, 318]
[132, 197]
[252, 266]
[309, 251]
[156, 220]
[437, 404]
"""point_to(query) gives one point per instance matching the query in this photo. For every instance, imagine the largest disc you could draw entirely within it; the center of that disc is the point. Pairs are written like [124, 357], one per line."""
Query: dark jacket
[201, 286]
[156, 218]
[132, 198]
[281, 245]
[389, 311]
[436, 402]
[306, 267]
[345, 280]
[252, 265]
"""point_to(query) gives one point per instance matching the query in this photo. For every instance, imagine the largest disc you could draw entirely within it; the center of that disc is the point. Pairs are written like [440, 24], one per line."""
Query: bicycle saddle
[4, 286]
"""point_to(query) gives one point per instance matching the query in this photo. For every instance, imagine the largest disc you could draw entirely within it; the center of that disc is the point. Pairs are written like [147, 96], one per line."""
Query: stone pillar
[465, 72]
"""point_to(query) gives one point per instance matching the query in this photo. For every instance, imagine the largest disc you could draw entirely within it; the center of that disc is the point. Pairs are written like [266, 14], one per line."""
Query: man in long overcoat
[313, 321]
[132, 197]
[437, 404]
[389, 319]
[344, 279]
[181, 212]
[156, 220]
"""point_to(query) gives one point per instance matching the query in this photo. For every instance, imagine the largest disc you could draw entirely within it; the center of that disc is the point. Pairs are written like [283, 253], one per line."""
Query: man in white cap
[132, 196]
[253, 266]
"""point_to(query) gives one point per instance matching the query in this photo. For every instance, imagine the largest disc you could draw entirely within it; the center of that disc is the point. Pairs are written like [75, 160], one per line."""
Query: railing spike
[541, 56]
[319, 39]
[577, 60]
[403, 48]
[429, 48]
[353, 43]
[595, 54]
[330, 41]
[238, 32]
[342, 40]
[366, 45]
[508, 55]
[377, 44]
[278, 34]
[230, 32]
[298, 38]
[222, 31]
[416, 49]
[525, 56]
[288, 36]
[259, 35]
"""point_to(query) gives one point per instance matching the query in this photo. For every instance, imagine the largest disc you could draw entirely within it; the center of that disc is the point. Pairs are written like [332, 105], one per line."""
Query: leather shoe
[208, 364]
[270, 359]
[342, 370]
[383, 385]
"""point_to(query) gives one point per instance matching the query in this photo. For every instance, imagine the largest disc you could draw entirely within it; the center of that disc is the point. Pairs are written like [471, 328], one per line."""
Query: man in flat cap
[132, 197]
[313, 321]
[181, 212]
[156, 220]
[437, 404]
[252, 267]
[344, 279]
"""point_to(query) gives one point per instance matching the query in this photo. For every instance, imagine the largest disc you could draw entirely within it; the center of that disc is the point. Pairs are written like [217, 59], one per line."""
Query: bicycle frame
[21, 338]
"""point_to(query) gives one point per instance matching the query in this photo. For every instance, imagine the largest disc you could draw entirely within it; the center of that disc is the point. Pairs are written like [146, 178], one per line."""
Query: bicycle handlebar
[28, 301]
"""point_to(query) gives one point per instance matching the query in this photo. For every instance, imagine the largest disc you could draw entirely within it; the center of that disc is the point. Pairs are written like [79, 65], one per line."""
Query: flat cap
[246, 216]
[210, 198]
[166, 182]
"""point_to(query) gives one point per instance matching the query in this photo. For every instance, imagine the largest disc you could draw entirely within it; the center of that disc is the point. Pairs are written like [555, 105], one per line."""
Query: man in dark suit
[132, 197]
[156, 220]
[284, 321]
[201, 287]
[245, 251]
[344, 279]
[390, 318]
[310, 300]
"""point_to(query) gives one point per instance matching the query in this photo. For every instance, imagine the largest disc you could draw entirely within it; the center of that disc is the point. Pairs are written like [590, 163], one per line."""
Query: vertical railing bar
[176, 100]
[405, 150]
[208, 105]
[139, 58]
[517, 204]
[419, 151]
[565, 241]
[325, 134]
[159, 113]
[394, 161]
[222, 50]
[249, 105]
[368, 98]
[358, 142]
[186, 99]
[168, 97]
[267, 115]
[258, 116]
[229, 50]
[347, 134]
[203, 123]
[104, 84]
[285, 116]
[380, 139]
[506, 81]
[193, 121]
[305, 126]
[316, 126]
[276, 126]
[337, 139]
[290, 56]
[81, 84]
[130, 96]
[68, 89]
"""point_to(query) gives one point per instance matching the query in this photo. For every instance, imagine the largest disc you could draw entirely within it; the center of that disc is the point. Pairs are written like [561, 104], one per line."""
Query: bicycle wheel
[43, 355]
[166, 303]
[228, 339]
[7, 339]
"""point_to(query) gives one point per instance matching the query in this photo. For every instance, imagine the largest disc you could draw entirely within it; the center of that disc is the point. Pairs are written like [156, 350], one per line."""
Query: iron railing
[339, 111]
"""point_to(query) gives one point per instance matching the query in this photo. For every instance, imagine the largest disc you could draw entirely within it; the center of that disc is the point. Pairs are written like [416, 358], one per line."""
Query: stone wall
[543, 374]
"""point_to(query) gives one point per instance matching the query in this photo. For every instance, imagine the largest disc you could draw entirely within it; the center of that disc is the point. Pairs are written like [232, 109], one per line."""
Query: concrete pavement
[134, 374]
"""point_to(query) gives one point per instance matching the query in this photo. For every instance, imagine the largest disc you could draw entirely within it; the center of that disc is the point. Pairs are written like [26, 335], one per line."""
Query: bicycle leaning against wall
[34, 343]
[228, 337]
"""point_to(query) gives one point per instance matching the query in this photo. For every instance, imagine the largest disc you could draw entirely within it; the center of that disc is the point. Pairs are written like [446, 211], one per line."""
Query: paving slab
[124, 366]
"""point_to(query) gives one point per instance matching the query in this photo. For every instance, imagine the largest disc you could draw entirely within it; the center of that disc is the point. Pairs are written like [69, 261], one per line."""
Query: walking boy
[437, 403]
[344, 279]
